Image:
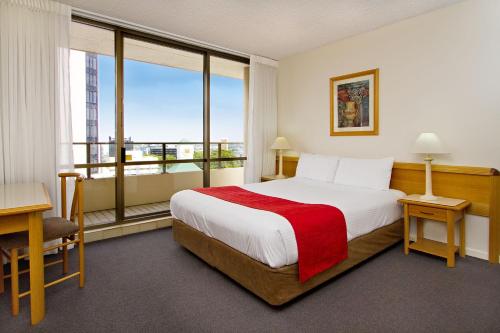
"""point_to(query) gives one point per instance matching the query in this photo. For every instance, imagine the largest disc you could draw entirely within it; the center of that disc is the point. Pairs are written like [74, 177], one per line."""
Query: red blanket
[320, 230]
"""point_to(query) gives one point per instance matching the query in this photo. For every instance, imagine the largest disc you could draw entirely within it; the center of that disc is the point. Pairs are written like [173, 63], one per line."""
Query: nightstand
[270, 177]
[446, 210]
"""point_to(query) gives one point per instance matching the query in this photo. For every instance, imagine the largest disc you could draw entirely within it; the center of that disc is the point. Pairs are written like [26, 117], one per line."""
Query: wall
[144, 189]
[439, 72]
[139, 190]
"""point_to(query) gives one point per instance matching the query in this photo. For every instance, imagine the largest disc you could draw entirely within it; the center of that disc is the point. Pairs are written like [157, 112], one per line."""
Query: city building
[92, 105]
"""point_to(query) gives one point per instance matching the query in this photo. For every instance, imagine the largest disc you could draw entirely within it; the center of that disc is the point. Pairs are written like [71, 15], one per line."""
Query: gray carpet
[146, 282]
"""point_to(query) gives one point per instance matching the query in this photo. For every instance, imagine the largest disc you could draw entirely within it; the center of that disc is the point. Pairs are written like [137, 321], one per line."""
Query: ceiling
[269, 28]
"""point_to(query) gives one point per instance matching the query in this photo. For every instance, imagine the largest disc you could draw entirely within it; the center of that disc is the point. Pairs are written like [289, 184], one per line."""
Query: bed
[258, 249]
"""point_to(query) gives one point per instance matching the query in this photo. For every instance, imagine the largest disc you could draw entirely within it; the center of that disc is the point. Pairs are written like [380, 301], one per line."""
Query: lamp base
[428, 197]
[280, 176]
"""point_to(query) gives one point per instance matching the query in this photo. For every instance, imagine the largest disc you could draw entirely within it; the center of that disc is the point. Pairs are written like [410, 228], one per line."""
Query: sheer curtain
[262, 119]
[35, 115]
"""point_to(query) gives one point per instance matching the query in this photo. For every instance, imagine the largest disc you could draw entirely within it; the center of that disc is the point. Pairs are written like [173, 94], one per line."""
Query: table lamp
[428, 144]
[280, 144]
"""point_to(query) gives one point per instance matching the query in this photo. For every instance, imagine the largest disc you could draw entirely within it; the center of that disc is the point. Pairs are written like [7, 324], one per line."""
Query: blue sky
[166, 104]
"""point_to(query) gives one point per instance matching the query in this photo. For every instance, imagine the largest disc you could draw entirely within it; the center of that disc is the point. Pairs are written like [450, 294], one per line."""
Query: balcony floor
[107, 216]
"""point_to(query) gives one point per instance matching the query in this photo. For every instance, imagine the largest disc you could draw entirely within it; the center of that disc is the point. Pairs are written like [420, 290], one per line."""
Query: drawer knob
[426, 213]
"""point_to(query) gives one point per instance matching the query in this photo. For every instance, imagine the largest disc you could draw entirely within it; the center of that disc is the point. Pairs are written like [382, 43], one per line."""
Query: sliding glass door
[163, 124]
[228, 108]
[151, 117]
[92, 83]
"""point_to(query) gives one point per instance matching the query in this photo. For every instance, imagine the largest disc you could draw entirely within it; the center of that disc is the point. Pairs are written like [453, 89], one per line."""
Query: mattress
[268, 237]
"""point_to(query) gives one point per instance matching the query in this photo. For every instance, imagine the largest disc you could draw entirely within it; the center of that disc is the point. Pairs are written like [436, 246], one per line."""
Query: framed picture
[354, 104]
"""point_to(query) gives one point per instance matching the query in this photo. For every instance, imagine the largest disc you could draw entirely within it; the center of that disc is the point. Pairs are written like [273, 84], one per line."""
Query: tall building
[92, 105]
[129, 145]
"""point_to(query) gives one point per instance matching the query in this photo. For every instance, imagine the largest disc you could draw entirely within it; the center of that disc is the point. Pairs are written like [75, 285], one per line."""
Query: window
[228, 100]
[154, 140]
[92, 79]
[163, 100]
[163, 120]
[92, 95]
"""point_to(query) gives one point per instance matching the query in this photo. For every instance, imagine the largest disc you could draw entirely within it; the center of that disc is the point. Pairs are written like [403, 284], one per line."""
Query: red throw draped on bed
[320, 230]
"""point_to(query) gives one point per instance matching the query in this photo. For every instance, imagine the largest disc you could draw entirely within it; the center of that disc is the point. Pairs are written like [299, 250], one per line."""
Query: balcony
[153, 172]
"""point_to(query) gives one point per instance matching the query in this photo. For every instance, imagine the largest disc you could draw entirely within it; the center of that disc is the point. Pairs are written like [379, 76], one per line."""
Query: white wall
[439, 72]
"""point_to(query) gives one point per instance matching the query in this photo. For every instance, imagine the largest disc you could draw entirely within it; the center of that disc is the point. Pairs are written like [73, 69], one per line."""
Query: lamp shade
[429, 143]
[281, 143]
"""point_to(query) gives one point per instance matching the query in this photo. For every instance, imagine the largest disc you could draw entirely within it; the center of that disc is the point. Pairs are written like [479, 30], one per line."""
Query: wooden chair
[53, 228]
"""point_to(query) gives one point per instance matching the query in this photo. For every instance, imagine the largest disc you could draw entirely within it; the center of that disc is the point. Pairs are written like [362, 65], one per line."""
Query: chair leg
[14, 279]
[81, 254]
[65, 256]
[2, 284]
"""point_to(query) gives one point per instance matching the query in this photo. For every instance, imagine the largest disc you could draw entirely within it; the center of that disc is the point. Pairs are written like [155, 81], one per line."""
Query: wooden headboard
[481, 186]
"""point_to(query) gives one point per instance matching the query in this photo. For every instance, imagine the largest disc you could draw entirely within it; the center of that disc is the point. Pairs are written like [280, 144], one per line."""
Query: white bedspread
[268, 237]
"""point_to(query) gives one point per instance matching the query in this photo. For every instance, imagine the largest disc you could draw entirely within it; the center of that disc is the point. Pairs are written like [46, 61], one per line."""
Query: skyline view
[166, 104]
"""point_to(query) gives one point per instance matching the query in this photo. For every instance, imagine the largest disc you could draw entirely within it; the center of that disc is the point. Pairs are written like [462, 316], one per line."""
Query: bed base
[277, 286]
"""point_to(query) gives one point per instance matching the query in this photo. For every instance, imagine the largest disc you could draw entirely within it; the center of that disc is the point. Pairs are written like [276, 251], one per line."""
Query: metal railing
[164, 161]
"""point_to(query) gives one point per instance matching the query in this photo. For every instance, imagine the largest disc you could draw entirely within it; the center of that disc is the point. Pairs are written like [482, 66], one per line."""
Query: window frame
[120, 33]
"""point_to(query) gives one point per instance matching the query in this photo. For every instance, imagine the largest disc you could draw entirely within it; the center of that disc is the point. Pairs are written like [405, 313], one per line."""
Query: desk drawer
[431, 213]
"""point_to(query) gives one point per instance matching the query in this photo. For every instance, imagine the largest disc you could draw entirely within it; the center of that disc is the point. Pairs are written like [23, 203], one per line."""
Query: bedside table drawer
[428, 212]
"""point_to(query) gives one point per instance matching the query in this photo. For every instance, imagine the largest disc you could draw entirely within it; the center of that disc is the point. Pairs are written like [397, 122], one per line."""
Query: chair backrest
[77, 202]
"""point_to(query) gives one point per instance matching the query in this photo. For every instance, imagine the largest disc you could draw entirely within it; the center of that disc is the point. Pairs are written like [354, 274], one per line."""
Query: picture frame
[354, 104]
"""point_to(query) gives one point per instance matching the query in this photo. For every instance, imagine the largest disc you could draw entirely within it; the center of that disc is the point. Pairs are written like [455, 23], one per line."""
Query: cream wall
[145, 189]
[439, 72]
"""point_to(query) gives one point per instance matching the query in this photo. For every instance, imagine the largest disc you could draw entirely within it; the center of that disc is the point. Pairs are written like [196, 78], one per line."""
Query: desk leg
[462, 236]
[450, 221]
[37, 296]
[407, 229]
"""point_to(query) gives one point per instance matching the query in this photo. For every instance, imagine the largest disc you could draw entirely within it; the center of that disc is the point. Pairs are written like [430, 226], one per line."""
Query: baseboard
[127, 229]
[476, 253]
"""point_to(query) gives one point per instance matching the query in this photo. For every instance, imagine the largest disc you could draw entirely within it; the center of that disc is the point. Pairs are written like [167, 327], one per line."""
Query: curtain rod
[125, 24]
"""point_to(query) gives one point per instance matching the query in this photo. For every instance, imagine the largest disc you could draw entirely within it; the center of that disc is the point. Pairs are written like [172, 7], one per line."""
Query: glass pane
[99, 194]
[163, 151]
[163, 120]
[92, 83]
[228, 106]
[148, 188]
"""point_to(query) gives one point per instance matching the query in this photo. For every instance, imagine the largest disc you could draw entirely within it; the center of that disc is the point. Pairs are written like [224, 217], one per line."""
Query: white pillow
[318, 167]
[370, 173]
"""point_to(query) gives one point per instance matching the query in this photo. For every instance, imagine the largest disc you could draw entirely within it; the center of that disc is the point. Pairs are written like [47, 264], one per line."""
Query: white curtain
[35, 115]
[262, 119]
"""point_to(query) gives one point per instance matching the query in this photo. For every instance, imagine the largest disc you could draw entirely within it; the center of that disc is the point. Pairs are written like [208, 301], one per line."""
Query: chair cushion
[57, 227]
[53, 228]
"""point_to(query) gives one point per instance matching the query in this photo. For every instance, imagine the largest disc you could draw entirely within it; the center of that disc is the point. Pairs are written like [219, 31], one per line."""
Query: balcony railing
[152, 176]
[222, 154]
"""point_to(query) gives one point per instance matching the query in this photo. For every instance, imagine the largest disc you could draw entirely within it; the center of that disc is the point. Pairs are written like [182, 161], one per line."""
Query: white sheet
[268, 237]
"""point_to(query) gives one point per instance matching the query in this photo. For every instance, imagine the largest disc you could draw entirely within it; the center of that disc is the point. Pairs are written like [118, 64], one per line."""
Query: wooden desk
[21, 207]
